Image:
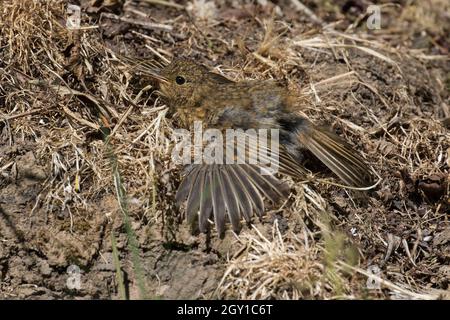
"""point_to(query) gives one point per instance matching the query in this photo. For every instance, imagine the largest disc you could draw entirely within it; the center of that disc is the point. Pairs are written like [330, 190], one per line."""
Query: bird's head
[185, 82]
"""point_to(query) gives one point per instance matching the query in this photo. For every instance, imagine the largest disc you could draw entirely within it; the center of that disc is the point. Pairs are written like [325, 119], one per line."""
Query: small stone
[45, 268]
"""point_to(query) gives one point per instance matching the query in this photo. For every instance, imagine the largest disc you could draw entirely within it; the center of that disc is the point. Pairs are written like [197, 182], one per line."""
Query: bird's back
[247, 104]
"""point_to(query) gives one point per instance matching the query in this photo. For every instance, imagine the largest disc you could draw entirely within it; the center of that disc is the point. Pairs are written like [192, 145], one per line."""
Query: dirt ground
[82, 218]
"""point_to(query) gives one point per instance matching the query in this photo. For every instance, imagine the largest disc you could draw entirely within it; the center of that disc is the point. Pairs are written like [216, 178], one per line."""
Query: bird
[234, 192]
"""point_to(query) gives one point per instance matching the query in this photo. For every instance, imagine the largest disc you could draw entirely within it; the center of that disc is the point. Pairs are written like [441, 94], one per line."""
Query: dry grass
[60, 88]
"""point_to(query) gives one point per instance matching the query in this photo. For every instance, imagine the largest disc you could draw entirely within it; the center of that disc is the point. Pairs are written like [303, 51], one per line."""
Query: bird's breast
[188, 115]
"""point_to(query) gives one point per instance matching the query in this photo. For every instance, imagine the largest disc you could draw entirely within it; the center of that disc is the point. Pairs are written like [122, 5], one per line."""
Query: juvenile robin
[231, 192]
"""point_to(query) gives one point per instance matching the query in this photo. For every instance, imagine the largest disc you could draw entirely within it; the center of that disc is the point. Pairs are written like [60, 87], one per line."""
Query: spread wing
[234, 190]
[337, 155]
[222, 192]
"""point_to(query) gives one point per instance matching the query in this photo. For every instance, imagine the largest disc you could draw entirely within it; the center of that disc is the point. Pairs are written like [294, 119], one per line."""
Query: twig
[165, 3]
[128, 111]
[20, 115]
[6, 166]
[80, 119]
[143, 24]
[391, 285]
[64, 90]
[267, 61]
[158, 54]
[301, 7]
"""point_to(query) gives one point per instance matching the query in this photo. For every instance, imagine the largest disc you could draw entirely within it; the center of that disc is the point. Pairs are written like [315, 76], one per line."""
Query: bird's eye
[180, 80]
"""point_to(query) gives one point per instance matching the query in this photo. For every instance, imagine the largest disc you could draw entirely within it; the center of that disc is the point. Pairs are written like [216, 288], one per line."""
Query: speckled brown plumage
[236, 191]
